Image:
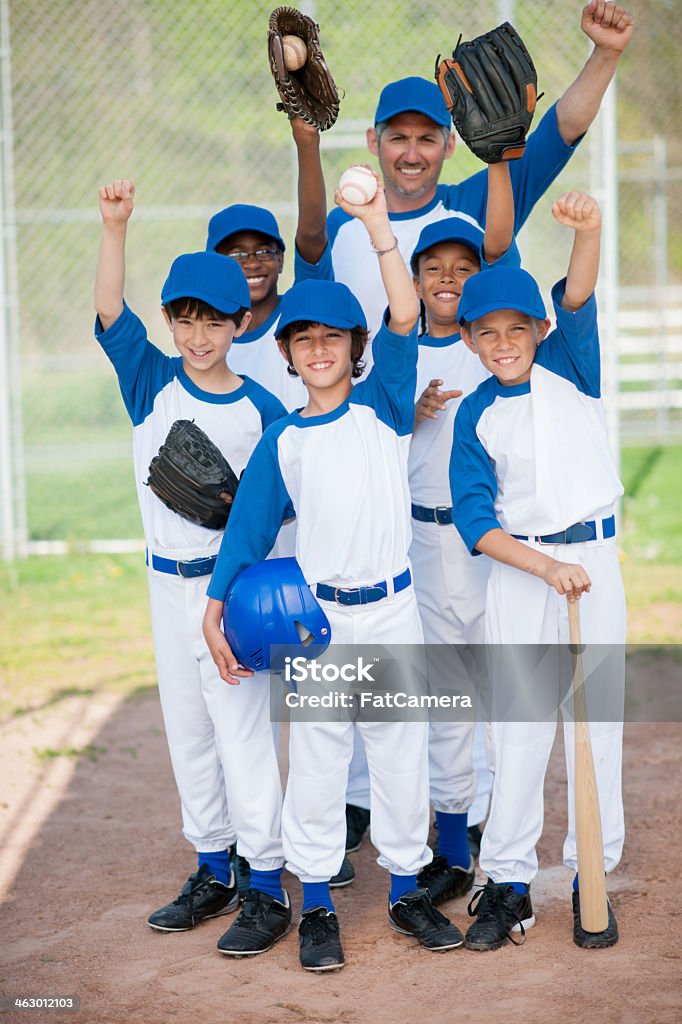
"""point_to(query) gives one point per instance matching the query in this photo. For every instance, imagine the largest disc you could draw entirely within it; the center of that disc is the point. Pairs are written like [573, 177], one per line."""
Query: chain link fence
[178, 97]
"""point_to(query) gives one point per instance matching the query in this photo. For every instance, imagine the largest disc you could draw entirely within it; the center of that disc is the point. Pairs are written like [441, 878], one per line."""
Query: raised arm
[610, 28]
[499, 218]
[403, 303]
[311, 230]
[581, 212]
[116, 206]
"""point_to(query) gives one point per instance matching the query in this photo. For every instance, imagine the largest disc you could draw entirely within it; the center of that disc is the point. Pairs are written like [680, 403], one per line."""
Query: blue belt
[442, 514]
[189, 569]
[576, 534]
[363, 595]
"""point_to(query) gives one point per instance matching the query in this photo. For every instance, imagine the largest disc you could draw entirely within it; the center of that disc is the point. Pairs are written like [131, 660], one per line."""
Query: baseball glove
[310, 92]
[490, 87]
[189, 475]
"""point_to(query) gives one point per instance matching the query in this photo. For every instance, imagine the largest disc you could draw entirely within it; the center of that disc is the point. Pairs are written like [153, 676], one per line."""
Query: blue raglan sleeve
[545, 157]
[320, 271]
[142, 369]
[268, 405]
[473, 484]
[392, 382]
[572, 349]
[261, 505]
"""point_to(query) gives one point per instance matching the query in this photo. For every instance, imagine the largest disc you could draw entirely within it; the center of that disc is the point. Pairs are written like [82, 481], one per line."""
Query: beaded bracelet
[382, 252]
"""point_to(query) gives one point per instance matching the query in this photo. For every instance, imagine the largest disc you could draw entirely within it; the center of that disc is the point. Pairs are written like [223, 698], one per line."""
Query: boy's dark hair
[464, 325]
[202, 310]
[358, 341]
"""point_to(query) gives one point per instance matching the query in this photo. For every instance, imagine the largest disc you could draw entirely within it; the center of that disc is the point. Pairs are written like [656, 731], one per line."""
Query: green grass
[80, 624]
[652, 507]
[74, 624]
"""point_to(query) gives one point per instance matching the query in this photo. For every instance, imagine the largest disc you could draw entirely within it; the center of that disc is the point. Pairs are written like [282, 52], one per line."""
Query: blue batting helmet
[270, 604]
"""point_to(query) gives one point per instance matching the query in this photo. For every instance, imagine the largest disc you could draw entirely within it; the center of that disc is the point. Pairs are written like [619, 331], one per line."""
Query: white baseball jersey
[344, 475]
[157, 392]
[534, 458]
[447, 359]
[353, 261]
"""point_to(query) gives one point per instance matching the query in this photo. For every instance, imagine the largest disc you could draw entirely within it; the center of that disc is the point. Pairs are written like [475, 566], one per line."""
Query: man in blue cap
[411, 139]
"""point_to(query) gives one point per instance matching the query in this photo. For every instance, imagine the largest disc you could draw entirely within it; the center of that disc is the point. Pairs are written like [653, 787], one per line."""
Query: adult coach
[412, 137]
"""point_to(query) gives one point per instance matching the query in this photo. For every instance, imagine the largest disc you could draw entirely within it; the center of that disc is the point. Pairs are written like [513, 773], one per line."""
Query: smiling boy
[205, 304]
[340, 461]
[534, 486]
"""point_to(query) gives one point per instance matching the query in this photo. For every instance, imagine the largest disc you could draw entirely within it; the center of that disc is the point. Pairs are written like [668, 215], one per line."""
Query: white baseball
[295, 52]
[358, 185]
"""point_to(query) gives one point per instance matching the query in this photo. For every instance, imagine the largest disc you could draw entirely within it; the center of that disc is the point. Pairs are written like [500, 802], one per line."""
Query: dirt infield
[91, 844]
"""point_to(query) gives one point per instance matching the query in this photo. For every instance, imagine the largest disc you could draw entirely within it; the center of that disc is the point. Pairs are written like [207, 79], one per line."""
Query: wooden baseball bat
[594, 914]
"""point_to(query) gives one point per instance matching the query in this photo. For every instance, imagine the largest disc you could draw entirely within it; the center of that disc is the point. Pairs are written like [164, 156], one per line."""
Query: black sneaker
[593, 940]
[242, 872]
[344, 877]
[445, 882]
[474, 836]
[357, 823]
[499, 911]
[262, 922]
[202, 896]
[319, 940]
[415, 914]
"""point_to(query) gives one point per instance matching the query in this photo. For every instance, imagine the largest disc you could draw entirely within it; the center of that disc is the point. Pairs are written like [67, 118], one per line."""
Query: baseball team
[428, 460]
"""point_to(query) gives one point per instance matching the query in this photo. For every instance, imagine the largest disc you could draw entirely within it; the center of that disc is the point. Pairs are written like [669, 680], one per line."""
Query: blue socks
[400, 884]
[520, 887]
[218, 864]
[316, 894]
[453, 840]
[269, 882]
[576, 887]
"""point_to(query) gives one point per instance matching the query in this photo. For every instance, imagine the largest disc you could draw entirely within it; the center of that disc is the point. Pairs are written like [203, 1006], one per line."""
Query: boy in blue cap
[534, 484]
[219, 738]
[342, 460]
[411, 138]
[450, 585]
[250, 235]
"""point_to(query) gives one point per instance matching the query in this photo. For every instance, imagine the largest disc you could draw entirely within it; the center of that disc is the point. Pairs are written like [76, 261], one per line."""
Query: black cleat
[262, 922]
[202, 897]
[344, 876]
[414, 914]
[593, 940]
[499, 911]
[357, 823]
[242, 872]
[319, 941]
[445, 882]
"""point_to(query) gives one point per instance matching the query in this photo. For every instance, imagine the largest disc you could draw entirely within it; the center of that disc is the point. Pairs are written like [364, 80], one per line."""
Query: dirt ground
[90, 844]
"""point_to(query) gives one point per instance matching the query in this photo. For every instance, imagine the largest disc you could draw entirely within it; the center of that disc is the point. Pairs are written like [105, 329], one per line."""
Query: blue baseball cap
[241, 217]
[500, 288]
[321, 302]
[450, 229]
[208, 276]
[413, 94]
